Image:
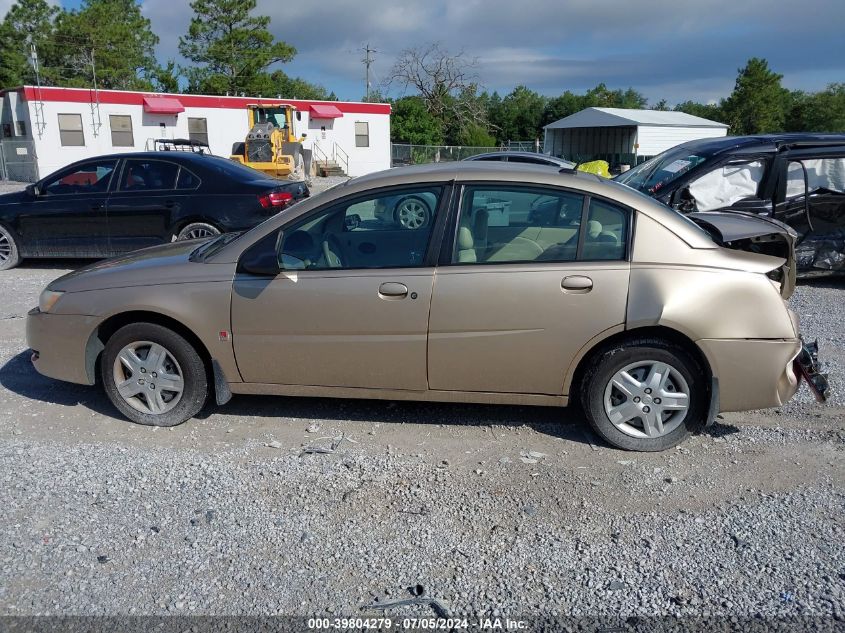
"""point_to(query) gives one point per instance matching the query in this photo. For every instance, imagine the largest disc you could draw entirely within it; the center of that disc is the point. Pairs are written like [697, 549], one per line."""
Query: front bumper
[59, 343]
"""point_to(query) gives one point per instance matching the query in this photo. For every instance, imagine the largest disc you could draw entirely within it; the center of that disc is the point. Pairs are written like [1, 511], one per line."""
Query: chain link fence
[402, 154]
[18, 160]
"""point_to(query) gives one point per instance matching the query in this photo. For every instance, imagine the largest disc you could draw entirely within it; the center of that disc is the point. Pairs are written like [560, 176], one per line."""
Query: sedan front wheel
[9, 255]
[153, 375]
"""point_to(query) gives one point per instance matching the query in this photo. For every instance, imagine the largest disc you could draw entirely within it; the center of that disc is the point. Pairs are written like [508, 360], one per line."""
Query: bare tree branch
[443, 80]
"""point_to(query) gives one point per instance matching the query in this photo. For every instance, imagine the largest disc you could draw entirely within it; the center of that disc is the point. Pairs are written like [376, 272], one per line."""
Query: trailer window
[70, 130]
[121, 130]
[198, 130]
[362, 134]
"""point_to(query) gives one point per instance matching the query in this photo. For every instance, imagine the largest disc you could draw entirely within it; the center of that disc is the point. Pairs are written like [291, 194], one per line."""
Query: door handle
[392, 290]
[577, 284]
[96, 207]
[169, 204]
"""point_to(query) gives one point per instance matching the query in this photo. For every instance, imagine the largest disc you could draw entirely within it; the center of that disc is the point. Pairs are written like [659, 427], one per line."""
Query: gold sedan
[523, 285]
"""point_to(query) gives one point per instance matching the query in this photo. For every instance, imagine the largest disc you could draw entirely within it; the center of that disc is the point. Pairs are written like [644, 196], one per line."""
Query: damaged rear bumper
[752, 373]
[806, 365]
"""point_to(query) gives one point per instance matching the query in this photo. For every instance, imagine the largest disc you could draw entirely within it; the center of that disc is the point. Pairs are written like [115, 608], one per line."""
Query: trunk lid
[755, 234]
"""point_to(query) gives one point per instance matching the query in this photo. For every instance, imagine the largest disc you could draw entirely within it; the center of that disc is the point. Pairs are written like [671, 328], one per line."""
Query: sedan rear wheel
[197, 230]
[9, 255]
[153, 375]
[645, 395]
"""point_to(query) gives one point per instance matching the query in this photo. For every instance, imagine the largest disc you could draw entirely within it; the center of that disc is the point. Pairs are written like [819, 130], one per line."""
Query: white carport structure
[623, 136]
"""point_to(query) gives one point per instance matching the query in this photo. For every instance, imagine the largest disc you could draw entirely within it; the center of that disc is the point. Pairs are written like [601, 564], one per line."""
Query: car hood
[158, 265]
[756, 234]
[14, 196]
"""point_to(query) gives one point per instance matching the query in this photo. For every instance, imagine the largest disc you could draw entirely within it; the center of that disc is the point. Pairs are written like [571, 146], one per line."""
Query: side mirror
[683, 201]
[33, 191]
[261, 258]
[352, 222]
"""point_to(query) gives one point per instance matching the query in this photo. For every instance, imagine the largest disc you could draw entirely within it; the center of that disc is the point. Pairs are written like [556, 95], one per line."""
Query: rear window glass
[232, 169]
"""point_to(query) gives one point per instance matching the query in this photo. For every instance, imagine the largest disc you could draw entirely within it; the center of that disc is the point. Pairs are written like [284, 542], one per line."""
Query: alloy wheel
[5, 247]
[412, 214]
[198, 232]
[647, 399]
[148, 377]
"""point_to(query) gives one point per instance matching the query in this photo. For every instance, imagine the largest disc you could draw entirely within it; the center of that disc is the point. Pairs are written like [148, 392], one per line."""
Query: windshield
[654, 174]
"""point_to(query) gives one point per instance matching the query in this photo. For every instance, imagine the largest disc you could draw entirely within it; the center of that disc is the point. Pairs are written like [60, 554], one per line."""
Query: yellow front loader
[271, 145]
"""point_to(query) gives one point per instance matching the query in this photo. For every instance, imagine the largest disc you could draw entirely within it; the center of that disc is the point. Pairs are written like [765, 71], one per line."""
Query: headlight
[48, 299]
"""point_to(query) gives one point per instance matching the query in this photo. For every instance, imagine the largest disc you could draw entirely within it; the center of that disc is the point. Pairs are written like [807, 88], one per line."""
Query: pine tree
[231, 48]
[758, 103]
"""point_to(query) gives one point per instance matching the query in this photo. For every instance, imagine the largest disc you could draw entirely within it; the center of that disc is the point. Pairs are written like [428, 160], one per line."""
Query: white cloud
[664, 48]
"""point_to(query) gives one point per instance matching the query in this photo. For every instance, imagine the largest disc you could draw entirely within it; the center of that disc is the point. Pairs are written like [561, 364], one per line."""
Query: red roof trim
[120, 97]
[324, 111]
[163, 105]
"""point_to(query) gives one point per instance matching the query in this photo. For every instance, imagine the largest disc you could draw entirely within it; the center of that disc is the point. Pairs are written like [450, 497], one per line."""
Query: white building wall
[225, 127]
[655, 139]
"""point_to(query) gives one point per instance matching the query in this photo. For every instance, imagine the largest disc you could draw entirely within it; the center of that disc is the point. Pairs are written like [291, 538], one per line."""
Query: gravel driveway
[494, 511]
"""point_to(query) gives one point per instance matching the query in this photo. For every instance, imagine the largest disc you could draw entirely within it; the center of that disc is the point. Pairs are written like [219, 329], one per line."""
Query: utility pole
[95, 105]
[39, 102]
[368, 60]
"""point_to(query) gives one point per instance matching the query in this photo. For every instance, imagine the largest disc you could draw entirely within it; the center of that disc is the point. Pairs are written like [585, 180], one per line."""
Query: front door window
[89, 178]
[390, 230]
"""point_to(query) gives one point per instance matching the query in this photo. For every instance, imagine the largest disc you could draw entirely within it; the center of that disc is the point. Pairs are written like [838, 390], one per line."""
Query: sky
[666, 49]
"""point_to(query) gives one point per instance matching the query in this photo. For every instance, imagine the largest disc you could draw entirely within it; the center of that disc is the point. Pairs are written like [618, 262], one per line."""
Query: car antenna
[569, 170]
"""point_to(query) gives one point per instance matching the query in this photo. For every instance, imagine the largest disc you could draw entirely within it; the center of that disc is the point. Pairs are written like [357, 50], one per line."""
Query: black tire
[193, 371]
[9, 252]
[614, 359]
[197, 230]
[421, 204]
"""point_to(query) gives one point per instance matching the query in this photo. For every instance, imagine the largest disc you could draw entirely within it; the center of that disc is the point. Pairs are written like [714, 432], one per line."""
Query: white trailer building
[44, 129]
[623, 136]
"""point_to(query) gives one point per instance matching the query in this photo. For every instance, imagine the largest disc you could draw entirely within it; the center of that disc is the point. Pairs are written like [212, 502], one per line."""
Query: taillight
[275, 199]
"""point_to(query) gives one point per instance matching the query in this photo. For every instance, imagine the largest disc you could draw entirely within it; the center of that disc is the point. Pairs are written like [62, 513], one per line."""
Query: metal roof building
[619, 135]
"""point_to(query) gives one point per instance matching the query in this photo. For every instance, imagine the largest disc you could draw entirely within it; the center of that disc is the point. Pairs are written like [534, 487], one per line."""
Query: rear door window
[149, 175]
[505, 224]
[822, 174]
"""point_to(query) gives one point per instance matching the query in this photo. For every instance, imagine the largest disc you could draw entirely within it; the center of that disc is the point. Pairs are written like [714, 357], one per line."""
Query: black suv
[798, 179]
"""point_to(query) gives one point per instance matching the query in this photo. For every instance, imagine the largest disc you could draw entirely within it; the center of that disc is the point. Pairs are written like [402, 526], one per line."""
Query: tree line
[109, 42]
[230, 50]
[758, 104]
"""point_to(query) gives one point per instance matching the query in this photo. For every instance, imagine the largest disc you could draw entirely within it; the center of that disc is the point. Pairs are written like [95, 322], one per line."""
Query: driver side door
[350, 305]
[68, 216]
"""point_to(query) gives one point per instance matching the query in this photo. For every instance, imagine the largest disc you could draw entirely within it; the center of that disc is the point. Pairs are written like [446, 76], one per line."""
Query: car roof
[553, 159]
[503, 173]
[762, 141]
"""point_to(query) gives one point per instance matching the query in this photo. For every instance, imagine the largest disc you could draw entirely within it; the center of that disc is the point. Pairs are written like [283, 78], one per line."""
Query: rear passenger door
[141, 208]
[811, 199]
[530, 276]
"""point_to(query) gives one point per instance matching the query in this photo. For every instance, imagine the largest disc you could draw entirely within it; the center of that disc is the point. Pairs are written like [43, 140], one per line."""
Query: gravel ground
[509, 511]
[7, 186]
